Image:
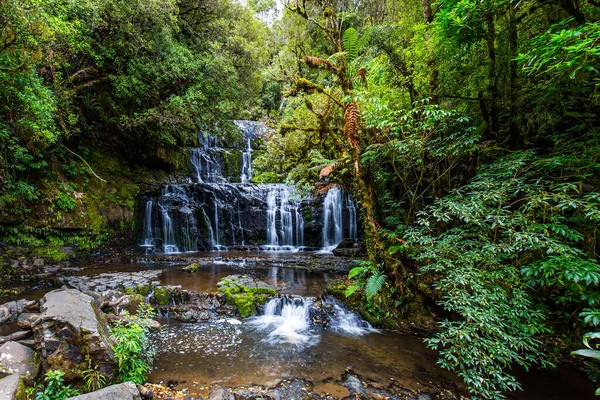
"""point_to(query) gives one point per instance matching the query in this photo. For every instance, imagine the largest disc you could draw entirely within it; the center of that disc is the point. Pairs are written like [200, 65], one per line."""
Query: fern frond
[362, 43]
[349, 44]
[374, 284]
[361, 74]
[351, 118]
[354, 272]
[350, 290]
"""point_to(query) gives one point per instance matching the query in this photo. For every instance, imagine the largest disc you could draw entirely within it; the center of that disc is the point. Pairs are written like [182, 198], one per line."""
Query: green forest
[467, 132]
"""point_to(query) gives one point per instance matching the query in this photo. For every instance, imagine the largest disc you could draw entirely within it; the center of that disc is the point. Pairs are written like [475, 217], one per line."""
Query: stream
[282, 344]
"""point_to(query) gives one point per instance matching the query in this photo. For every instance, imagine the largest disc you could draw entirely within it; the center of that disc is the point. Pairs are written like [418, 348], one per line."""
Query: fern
[349, 44]
[374, 284]
[356, 271]
[350, 290]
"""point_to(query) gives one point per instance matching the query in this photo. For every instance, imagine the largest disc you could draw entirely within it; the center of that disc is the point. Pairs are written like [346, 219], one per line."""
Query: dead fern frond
[328, 169]
[351, 119]
[318, 62]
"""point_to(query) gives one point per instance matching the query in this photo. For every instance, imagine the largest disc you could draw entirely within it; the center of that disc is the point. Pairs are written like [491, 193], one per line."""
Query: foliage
[92, 377]
[133, 350]
[591, 351]
[55, 388]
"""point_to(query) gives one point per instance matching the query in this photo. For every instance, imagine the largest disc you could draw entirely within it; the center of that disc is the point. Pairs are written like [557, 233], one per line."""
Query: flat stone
[18, 359]
[122, 391]
[9, 388]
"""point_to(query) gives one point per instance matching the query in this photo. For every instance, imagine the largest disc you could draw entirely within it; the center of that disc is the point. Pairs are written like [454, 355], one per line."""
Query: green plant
[365, 276]
[591, 351]
[133, 349]
[92, 378]
[55, 387]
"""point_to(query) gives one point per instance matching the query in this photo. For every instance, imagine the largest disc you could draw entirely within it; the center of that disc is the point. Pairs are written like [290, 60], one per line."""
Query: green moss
[143, 290]
[162, 295]
[244, 303]
[244, 298]
[192, 268]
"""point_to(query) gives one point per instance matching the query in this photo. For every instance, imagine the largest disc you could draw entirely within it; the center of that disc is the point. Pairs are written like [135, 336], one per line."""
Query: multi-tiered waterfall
[219, 207]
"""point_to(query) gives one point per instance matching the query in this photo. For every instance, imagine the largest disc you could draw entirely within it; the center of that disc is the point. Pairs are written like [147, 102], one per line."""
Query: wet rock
[14, 337]
[346, 244]
[26, 320]
[19, 359]
[355, 386]
[12, 388]
[192, 268]
[122, 391]
[70, 328]
[11, 310]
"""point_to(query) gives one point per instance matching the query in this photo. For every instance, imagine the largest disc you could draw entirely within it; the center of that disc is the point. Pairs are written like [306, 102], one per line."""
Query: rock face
[18, 359]
[122, 391]
[11, 310]
[70, 328]
[12, 388]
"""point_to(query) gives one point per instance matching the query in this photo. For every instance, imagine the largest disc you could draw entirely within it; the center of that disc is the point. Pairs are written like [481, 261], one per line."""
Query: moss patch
[245, 293]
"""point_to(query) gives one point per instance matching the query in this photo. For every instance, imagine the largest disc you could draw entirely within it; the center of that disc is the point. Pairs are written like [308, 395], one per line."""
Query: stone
[18, 359]
[26, 320]
[355, 386]
[122, 391]
[70, 328]
[11, 310]
[16, 336]
[12, 388]
[346, 244]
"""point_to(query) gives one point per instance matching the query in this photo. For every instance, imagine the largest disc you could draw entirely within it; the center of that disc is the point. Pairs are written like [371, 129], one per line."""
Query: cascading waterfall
[332, 219]
[287, 320]
[247, 162]
[285, 223]
[352, 224]
[148, 232]
[345, 321]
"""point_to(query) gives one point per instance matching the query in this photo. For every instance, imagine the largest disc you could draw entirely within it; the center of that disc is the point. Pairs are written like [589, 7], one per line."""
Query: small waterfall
[352, 224]
[345, 321]
[332, 219]
[247, 162]
[285, 223]
[205, 160]
[287, 320]
[148, 232]
[169, 242]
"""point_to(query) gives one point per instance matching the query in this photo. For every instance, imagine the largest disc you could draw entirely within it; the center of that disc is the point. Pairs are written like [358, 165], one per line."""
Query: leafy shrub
[133, 350]
[55, 387]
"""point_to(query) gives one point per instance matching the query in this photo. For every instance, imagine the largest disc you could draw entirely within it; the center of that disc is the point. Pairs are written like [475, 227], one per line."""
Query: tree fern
[374, 284]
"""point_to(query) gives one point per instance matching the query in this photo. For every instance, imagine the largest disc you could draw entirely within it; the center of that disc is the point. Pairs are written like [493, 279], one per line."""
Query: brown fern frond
[351, 118]
[318, 62]
[328, 169]
[322, 190]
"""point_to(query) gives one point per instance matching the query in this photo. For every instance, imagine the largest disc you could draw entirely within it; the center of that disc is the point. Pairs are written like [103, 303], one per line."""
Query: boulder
[70, 328]
[12, 388]
[346, 244]
[18, 359]
[122, 391]
[11, 310]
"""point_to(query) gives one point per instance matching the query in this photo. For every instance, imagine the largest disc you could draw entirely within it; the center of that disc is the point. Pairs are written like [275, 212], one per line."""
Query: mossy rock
[162, 295]
[134, 303]
[192, 268]
[143, 290]
[245, 292]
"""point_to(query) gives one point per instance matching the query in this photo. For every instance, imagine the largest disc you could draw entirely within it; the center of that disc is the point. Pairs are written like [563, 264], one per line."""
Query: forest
[458, 139]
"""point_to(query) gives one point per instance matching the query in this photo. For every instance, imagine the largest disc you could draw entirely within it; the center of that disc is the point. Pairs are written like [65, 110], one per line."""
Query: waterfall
[169, 243]
[345, 321]
[287, 320]
[332, 219]
[205, 161]
[352, 224]
[285, 223]
[148, 232]
[247, 162]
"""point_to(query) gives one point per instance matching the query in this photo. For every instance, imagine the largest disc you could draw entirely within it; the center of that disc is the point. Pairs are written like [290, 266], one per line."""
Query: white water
[286, 321]
[148, 234]
[352, 224]
[247, 162]
[346, 321]
[285, 223]
[332, 219]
